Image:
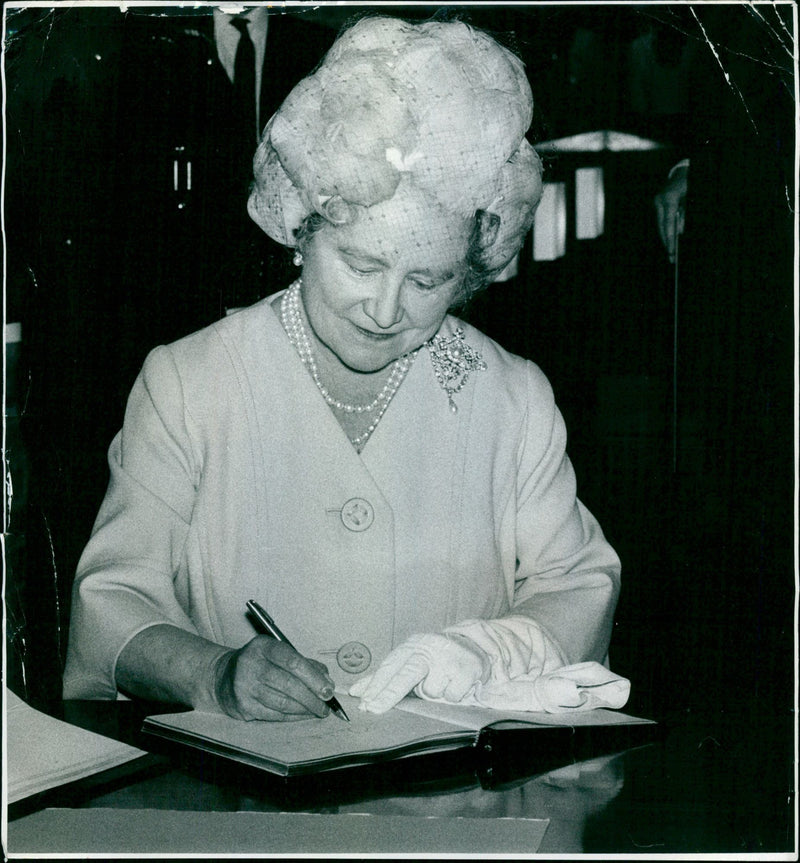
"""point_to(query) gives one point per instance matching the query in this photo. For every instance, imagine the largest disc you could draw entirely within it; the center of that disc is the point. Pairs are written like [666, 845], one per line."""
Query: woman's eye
[360, 270]
[423, 284]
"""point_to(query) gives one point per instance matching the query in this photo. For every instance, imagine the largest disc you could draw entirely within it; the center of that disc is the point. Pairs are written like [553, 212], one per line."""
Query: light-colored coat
[232, 480]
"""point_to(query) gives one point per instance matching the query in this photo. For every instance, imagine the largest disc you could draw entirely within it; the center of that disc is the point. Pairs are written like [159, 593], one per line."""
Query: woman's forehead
[407, 230]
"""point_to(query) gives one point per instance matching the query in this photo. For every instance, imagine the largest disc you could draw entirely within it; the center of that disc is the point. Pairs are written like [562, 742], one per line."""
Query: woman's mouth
[373, 336]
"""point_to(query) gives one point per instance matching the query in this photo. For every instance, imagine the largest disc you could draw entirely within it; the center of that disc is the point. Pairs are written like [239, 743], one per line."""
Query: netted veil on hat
[438, 107]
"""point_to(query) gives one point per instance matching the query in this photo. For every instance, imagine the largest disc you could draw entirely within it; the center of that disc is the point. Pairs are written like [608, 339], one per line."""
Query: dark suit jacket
[201, 251]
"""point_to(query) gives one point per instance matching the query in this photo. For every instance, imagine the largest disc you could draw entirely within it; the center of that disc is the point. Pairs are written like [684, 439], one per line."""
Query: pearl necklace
[292, 319]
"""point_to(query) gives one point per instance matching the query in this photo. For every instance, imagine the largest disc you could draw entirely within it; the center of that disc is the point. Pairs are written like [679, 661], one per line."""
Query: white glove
[571, 689]
[435, 666]
[505, 664]
[515, 645]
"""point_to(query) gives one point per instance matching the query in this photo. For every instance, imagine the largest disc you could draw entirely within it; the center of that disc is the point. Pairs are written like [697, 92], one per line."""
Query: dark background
[688, 463]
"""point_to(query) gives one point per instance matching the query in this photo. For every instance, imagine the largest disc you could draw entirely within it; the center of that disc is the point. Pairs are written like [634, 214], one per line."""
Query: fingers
[462, 664]
[436, 666]
[445, 684]
[390, 666]
[270, 680]
[360, 686]
[397, 688]
[312, 674]
[321, 667]
[395, 678]
[266, 699]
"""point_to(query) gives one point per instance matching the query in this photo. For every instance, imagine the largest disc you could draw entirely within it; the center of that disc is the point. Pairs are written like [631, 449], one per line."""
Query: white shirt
[226, 38]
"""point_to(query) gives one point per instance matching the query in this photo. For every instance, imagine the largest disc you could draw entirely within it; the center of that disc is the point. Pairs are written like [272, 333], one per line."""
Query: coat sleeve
[125, 577]
[568, 576]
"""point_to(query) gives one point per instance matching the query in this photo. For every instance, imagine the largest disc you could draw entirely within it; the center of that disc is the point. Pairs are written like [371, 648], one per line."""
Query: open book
[43, 752]
[309, 746]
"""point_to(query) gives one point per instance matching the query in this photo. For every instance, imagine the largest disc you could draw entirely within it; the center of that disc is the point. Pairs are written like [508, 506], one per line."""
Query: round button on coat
[357, 514]
[353, 657]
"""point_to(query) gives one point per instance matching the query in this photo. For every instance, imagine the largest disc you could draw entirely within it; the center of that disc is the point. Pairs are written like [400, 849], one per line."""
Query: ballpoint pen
[270, 628]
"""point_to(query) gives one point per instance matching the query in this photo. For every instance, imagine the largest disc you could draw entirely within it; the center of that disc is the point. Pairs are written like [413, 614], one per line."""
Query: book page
[311, 741]
[43, 752]
[476, 718]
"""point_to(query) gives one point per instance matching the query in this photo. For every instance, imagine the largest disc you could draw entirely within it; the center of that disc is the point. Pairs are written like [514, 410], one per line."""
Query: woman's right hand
[269, 679]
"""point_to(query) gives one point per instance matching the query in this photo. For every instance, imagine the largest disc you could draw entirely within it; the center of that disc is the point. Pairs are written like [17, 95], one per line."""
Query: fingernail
[327, 693]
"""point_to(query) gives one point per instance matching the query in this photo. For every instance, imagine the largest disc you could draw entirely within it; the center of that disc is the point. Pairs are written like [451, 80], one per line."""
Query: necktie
[244, 82]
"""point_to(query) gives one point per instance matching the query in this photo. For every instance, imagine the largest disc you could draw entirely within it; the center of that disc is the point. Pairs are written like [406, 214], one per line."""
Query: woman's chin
[370, 360]
[366, 366]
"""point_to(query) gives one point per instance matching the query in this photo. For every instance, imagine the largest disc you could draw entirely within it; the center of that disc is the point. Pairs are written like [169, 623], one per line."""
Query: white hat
[440, 107]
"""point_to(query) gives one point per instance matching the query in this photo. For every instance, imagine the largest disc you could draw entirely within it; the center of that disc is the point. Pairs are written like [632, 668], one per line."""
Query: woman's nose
[384, 307]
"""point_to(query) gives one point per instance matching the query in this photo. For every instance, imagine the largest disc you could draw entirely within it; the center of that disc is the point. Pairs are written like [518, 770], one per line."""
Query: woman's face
[380, 286]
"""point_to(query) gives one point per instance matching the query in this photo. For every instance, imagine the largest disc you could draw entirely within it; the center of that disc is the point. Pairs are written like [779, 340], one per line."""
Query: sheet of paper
[43, 752]
[109, 831]
[312, 740]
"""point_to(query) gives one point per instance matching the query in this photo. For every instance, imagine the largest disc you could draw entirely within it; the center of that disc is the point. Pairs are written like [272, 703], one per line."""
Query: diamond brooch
[453, 359]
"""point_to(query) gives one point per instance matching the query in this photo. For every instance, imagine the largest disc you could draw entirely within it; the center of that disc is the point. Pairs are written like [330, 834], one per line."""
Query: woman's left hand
[438, 666]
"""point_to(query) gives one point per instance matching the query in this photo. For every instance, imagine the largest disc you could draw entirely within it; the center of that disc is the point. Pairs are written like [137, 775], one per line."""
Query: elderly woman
[387, 481]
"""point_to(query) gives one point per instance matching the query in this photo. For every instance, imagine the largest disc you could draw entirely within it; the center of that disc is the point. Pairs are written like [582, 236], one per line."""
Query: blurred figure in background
[127, 173]
[727, 222]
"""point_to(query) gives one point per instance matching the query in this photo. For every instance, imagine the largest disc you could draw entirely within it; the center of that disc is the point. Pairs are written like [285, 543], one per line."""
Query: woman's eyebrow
[363, 256]
[369, 258]
[436, 275]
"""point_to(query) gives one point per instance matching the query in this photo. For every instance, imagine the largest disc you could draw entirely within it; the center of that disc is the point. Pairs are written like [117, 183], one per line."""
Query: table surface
[707, 784]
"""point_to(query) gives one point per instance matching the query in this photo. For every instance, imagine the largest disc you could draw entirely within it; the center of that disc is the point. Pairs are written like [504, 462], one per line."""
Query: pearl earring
[297, 260]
